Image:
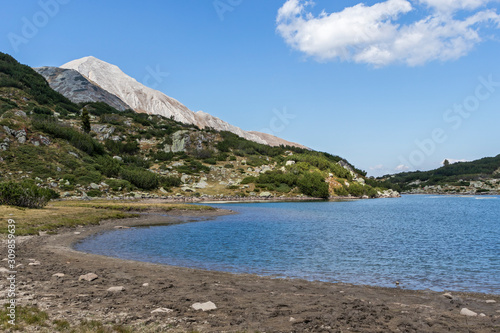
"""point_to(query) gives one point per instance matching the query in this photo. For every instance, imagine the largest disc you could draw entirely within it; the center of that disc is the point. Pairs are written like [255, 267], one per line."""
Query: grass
[59, 214]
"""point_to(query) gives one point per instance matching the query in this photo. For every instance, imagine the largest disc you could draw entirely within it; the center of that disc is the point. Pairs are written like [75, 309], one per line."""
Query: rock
[185, 178]
[46, 141]
[88, 277]
[59, 275]
[145, 284]
[94, 186]
[482, 315]
[121, 227]
[207, 306]
[448, 295]
[73, 154]
[201, 184]
[468, 313]
[34, 263]
[292, 320]
[290, 163]
[20, 113]
[162, 310]
[265, 194]
[116, 289]
[3, 270]
[118, 158]
[490, 301]
[162, 190]
[77, 232]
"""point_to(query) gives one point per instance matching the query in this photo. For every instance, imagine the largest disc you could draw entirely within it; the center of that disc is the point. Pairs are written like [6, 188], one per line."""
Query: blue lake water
[424, 242]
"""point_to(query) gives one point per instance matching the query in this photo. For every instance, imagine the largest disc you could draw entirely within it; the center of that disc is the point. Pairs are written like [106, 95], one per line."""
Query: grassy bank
[60, 214]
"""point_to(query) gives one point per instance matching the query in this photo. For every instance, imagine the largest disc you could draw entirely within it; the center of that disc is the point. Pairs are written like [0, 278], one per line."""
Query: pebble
[482, 315]
[59, 275]
[116, 289]
[448, 295]
[77, 232]
[88, 277]
[468, 313]
[145, 284]
[490, 301]
[207, 306]
[34, 263]
[162, 310]
[292, 320]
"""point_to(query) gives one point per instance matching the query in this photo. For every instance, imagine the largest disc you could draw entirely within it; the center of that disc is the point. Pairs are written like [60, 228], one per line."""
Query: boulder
[468, 313]
[207, 306]
[265, 194]
[88, 277]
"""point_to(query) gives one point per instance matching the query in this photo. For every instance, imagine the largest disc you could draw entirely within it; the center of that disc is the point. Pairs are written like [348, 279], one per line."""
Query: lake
[424, 242]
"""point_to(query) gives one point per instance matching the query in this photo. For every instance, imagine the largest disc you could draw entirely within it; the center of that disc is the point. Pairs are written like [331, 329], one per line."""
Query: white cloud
[451, 5]
[401, 168]
[372, 34]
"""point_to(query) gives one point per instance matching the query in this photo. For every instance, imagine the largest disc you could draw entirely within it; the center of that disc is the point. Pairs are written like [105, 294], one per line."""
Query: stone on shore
[88, 277]
[162, 310]
[207, 306]
[116, 289]
[468, 313]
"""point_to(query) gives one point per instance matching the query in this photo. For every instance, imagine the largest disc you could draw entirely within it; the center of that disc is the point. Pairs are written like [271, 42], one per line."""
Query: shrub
[94, 193]
[170, 181]
[109, 166]
[314, 185]
[25, 194]
[119, 184]
[211, 161]
[141, 178]
[229, 166]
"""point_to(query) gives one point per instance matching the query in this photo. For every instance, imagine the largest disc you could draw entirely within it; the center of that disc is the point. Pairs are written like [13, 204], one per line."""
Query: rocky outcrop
[77, 88]
[146, 100]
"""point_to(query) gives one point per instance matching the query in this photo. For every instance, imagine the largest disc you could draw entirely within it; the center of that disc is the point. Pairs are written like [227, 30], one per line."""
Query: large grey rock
[265, 194]
[468, 313]
[88, 277]
[207, 306]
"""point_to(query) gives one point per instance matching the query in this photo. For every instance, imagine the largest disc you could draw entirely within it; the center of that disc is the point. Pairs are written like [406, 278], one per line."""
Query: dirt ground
[245, 303]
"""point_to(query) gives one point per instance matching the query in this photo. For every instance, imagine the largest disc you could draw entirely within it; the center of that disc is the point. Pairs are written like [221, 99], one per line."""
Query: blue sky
[389, 85]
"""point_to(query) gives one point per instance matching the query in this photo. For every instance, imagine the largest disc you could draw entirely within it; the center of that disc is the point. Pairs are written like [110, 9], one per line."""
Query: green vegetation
[25, 194]
[451, 174]
[132, 151]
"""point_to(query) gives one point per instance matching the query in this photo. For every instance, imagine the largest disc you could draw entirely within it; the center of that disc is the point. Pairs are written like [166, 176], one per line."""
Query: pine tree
[85, 121]
[446, 163]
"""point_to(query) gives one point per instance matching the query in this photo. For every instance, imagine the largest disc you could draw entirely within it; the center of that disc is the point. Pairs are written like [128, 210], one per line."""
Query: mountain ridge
[147, 100]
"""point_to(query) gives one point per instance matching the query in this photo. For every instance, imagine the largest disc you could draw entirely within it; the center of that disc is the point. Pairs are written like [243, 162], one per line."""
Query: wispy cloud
[375, 35]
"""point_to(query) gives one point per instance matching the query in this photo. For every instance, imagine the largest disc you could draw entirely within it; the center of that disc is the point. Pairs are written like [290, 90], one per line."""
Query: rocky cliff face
[147, 100]
[77, 88]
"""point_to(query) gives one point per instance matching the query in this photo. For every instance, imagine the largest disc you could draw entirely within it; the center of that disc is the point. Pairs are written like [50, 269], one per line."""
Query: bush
[141, 178]
[229, 166]
[109, 166]
[313, 185]
[211, 161]
[94, 193]
[119, 184]
[25, 194]
[170, 181]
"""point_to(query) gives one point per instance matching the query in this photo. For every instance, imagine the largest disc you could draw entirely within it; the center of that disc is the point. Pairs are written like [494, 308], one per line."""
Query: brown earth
[245, 303]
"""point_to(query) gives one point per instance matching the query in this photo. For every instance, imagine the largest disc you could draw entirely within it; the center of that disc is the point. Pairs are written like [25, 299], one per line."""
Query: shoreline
[244, 302]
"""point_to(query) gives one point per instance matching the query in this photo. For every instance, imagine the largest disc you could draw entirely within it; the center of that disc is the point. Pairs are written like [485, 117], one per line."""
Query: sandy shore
[245, 303]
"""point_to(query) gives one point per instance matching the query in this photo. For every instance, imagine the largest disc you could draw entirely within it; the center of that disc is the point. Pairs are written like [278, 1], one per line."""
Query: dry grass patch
[58, 214]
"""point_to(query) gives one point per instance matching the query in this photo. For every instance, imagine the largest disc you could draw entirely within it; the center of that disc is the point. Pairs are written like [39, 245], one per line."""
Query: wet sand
[245, 303]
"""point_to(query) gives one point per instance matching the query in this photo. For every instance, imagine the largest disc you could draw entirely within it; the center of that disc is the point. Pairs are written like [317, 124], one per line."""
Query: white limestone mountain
[147, 100]
[77, 88]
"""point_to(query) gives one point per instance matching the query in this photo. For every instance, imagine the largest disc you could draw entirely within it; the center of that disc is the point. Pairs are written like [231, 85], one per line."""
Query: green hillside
[483, 174]
[45, 140]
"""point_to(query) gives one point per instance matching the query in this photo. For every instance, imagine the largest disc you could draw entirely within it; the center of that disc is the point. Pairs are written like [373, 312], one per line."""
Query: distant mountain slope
[77, 88]
[146, 100]
[481, 175]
